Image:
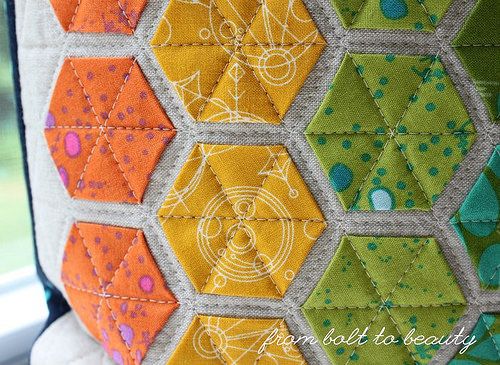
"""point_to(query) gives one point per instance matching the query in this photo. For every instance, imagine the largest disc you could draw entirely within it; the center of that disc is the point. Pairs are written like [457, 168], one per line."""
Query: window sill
[23, 312]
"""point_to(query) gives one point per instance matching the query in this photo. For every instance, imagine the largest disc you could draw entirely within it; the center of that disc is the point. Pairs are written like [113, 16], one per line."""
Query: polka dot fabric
[116, 288]
[105, 129]
[390, 132]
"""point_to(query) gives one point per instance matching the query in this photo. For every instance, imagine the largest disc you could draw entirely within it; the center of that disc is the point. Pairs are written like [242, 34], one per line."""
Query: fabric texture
[391, 14]
[115, 287]
[478, 46]
[487, 349]
[105, 129]
[394, 283]
[212, 340]
[477, 223]
[390, 132]
[237, 61]
[243, 234]
[109, 16]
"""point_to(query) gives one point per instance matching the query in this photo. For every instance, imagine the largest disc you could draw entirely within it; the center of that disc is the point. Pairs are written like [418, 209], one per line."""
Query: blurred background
[16, 248]
[23, 309]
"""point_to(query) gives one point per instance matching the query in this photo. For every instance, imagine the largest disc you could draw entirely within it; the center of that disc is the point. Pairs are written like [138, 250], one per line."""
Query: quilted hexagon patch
[486, 351]
[213, 340]
[478, 46]
[390, 132]
[103, 16]
[105, 129]
[397, 284]
[241, 231]
[237, 61]
[116, 289]
[477, 222]
[391, 14]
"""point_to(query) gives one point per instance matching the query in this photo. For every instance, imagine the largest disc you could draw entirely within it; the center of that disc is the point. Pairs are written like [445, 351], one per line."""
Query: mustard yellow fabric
[234, 341]
[241, 220]
[237, 61]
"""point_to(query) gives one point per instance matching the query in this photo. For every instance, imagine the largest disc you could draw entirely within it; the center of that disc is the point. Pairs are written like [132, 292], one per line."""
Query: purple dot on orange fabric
[69, 93]
[63, 174]
[117, 357]
[72, 144]
[103, 97]
[64, 109]
[146, 283]
[50, 121]
[90, 75]
[127, 334]
[121, 116]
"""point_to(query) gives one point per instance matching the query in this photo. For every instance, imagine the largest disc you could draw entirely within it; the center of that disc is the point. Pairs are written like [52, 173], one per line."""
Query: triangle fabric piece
[103, 179]
[240, 271]
[392, 81]
[390, 186]
[102, 81]
[235, 95]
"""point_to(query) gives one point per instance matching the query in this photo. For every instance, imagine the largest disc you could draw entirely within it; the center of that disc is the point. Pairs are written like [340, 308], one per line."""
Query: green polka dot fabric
[396, 283]
[486, 351]
[477, 222]
[478, 46]
[420, 15]
[390, 132]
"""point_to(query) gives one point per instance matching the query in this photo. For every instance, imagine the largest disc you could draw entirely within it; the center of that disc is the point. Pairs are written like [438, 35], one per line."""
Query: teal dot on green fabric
[346, 144]
[372, 246]
[440, 86]
[365, 157]
[340, 177]
[409, 203]
[435, 139]
[340, 351]
[433, 19]
[401, 185]
[381, 198]
[402, 147]
[321, 140]
[356, 127]
[413, 320]
[383, 80]
[394, 9]
[360, 69]
[402, 129]
[354, 357]
[430, 107]
[433, 171]
[378, 143]
[326, 323]
[390, 57]
[447, 152]
[455, 167]
[328, 110]
[419, 26]
[378, 94]
[434, 198]
[376, 181]
[413, 98]
[330, 87]
[380, 130]
[381, 171]
[423, 147]
[451, 124]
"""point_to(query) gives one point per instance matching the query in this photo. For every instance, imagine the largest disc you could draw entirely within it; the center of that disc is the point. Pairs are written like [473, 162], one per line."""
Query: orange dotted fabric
[114, 285]
[105, 129]
[98, 16]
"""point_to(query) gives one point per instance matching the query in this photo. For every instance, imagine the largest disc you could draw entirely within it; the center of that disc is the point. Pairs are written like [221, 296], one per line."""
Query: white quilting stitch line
[495, 344]
[353, 19]
[312, 220]
[126, 16]
[429, 17]
[114, 296]
[72, 22]
[261, 44]
[327, 307]
[112, 128]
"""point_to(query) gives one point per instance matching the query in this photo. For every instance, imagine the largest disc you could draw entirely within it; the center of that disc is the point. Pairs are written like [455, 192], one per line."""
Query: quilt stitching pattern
[395, 279]
[243, 235]
[104, 16]
[407, 127]
[99, 266]
[262, 53]
[213, 340]
[476, 223]
[103, 141]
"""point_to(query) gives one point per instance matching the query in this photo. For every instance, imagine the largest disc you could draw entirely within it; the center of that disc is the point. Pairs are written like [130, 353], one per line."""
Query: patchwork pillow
[265, 181]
